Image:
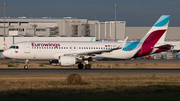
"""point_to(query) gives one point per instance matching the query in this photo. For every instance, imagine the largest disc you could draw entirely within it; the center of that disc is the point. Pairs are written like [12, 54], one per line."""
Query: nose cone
[5, 53]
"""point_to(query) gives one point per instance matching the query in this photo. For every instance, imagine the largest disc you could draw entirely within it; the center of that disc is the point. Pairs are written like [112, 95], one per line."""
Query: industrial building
[136, 33]
[66, 26]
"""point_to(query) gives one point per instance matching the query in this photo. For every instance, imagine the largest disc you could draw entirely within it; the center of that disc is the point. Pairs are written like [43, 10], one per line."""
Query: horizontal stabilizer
[164, 46]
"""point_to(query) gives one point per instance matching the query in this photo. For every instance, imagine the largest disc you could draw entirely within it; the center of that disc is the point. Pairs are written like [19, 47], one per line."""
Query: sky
[134, 12]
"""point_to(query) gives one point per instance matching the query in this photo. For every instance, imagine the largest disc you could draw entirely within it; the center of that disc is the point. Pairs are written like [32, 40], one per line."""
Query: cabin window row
[71, 48]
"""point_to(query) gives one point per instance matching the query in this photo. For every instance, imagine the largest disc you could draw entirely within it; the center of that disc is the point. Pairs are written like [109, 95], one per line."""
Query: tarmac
[54, 70]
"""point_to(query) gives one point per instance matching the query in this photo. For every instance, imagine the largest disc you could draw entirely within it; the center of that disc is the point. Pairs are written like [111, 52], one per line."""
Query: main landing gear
[26, 66]
[87, 66]
[80, 66]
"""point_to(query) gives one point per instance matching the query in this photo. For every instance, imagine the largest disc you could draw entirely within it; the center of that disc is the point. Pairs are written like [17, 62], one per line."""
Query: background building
[136, 33]
[66, 26]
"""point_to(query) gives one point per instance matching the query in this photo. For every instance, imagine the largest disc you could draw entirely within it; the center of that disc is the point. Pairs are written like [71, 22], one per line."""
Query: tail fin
[155, 35]
[158, 32]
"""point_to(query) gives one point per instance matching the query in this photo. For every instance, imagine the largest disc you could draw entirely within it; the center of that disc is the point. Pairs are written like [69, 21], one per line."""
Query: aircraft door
[27, 48]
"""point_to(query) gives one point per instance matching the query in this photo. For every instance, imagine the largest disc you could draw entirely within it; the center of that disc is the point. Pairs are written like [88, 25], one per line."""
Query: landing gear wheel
[26, 67]
[87, 66]
[80, 66]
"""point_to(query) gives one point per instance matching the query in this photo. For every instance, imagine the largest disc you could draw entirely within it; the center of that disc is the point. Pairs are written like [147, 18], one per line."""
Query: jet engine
[67, 60]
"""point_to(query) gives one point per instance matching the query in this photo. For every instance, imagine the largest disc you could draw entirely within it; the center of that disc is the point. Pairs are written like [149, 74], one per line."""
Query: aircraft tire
[26, 67]
[80, 66]
[87, 66]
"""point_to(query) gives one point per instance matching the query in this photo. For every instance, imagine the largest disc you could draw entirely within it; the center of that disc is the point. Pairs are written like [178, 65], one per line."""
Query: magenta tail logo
[150, 41]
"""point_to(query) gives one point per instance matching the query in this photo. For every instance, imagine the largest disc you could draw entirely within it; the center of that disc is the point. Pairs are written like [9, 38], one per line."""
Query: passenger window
[44, 47]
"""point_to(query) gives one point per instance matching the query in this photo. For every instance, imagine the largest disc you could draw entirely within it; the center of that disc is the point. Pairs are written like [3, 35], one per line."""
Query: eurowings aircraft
[70, 53]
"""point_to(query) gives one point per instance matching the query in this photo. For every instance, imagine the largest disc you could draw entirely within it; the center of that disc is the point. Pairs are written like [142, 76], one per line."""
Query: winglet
[121, 46]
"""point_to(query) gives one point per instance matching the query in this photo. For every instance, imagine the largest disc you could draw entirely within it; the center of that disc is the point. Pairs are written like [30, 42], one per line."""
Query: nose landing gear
[26, 66]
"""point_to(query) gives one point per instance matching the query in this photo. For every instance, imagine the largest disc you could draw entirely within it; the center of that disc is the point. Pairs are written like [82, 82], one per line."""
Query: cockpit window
[17, 47]
[14, 47]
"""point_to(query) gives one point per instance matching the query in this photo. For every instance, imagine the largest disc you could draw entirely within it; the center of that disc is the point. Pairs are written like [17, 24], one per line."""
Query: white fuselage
[51, 50]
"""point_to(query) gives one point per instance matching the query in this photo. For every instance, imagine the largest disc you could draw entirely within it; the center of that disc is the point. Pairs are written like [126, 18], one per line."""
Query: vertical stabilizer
[158, 32]
[155, 36]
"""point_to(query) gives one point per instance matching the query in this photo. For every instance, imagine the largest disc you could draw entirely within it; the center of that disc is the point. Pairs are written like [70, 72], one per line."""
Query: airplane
[70, 53]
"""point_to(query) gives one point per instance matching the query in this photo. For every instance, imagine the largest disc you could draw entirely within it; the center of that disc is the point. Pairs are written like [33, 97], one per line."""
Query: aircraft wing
[93, 53]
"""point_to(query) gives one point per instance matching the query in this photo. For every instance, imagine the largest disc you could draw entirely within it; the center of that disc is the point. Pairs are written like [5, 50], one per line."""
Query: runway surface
[89, 71]
[54, 70]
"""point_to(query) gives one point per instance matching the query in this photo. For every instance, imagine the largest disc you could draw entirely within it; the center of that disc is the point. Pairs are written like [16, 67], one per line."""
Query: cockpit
[14, 47]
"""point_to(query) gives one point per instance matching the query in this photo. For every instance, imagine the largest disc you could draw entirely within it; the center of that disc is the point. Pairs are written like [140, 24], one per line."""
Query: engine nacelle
[67, 60]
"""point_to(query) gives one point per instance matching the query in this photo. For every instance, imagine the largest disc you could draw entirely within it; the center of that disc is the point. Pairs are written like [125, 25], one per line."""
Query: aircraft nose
[5, 53]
